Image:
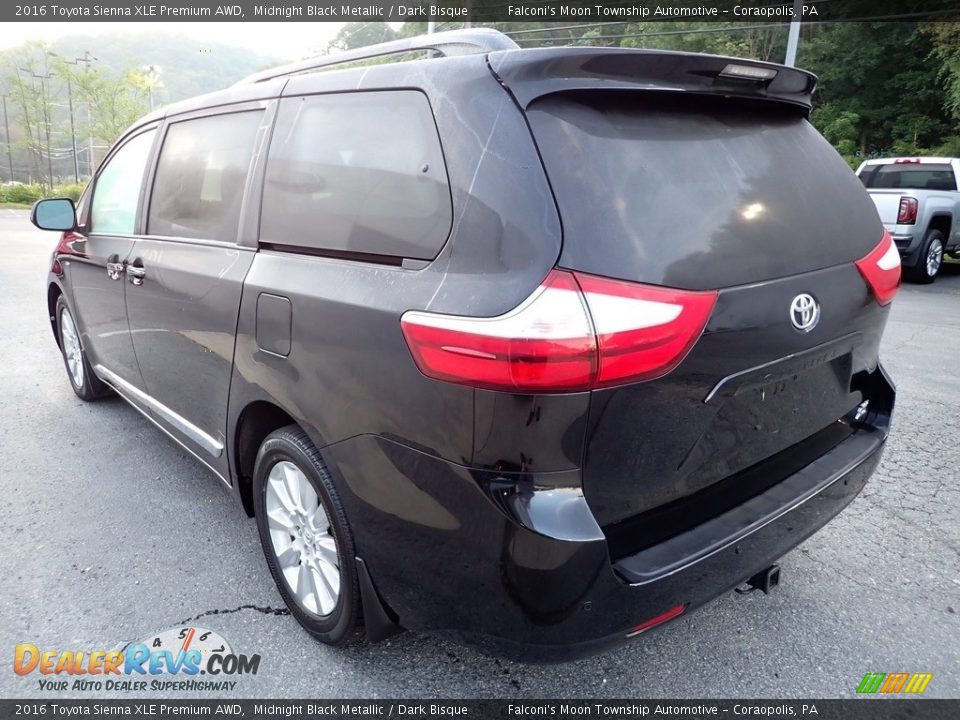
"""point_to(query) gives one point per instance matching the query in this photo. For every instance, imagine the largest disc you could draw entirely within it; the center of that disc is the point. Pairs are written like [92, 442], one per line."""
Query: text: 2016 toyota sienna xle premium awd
[537, 349]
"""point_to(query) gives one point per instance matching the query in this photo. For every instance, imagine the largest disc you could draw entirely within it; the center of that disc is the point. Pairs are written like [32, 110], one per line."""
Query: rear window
[916, 176]
[697, 192]
[357, 173]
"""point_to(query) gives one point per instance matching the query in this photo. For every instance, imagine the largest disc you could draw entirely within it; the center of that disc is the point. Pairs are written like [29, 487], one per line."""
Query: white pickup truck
[919, 205]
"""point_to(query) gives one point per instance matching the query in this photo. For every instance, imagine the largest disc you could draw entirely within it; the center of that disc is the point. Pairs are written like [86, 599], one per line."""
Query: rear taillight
[545, 344]
[881, 269]
[908, 211]
[643, 331]
[575, 332]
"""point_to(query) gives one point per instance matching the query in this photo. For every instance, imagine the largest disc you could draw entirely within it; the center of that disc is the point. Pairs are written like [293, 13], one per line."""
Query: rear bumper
[629, 604]
[908, 242]
[461, 552]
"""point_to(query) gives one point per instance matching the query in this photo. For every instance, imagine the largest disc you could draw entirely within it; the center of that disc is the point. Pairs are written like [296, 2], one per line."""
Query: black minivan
[537, 349]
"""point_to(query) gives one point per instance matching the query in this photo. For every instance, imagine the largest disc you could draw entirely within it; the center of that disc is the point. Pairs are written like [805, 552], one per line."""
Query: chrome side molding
[210, 444]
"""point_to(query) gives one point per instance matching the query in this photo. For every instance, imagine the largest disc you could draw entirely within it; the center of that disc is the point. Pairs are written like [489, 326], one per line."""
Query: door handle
[136, 273]
[115, 268]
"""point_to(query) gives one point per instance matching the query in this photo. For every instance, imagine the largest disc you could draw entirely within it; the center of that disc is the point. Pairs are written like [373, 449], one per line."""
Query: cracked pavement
[110, 532]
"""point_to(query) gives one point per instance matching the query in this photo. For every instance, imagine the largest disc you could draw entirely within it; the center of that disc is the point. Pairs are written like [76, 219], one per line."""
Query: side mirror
[54, 214]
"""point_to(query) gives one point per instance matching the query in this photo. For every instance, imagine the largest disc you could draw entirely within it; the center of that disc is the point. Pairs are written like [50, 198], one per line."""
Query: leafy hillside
[111, 80]
[187, 66]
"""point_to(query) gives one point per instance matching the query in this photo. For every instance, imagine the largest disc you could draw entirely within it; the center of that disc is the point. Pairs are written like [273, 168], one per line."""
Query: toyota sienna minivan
[536, 349]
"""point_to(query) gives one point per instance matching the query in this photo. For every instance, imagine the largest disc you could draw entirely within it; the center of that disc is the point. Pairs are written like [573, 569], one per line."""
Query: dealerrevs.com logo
[894, 683]
[179, 659]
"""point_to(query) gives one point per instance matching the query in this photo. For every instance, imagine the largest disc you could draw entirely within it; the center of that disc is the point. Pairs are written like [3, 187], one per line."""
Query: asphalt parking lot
[110, 532]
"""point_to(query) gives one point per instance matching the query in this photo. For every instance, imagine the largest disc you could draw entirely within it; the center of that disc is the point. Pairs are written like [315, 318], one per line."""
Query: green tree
[945, 40]
[841, 127]
[760, 43]
[880, 79]
[26, 79]
[114, 102]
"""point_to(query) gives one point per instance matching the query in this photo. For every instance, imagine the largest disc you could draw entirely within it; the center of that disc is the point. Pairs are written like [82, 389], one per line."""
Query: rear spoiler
[530, 74]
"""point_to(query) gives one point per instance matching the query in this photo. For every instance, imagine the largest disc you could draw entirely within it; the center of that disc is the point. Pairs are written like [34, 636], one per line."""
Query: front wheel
[85, 384]
[930, 259]
[305, 537]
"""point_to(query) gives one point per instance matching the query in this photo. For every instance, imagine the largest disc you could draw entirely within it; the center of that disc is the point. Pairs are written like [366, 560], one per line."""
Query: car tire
[304, 532]
[85, 384]
[930, 259]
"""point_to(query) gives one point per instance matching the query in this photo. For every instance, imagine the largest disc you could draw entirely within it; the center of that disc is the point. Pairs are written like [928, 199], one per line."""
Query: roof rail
[452, 42]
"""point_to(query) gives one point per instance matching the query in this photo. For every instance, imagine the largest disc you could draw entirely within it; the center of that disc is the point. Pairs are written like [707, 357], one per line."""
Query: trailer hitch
[766, 580]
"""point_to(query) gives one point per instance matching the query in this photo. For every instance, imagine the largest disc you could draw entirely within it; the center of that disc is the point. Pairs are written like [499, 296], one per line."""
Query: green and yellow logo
[893, 683]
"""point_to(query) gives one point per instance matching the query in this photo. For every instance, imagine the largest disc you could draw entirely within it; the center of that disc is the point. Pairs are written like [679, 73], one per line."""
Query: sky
[285, 40]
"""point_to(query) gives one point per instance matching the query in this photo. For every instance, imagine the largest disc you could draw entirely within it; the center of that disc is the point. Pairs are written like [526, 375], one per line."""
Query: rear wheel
[305, 537]
[85, 384]
[929, 260]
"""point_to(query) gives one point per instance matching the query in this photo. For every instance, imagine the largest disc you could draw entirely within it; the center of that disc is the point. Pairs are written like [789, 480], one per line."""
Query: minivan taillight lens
[545, 344]
[908, 211]
[881, 269]
[643, 331]
[575, 332]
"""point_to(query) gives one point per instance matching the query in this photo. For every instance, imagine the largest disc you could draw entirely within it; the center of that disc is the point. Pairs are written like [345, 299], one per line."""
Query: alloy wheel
[934, 257]
[71, 348]
[302, 539]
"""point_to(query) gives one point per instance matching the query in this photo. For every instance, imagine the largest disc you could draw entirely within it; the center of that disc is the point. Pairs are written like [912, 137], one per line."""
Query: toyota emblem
[804, 312]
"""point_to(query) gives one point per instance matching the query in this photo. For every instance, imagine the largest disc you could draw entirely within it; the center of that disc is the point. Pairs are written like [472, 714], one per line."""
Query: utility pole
[47, 120]
[793, 38]
[153, 79]
[6, 127]
[73, 132]
[45, 104]
[87, 61]
[31, 159]
[90, 166]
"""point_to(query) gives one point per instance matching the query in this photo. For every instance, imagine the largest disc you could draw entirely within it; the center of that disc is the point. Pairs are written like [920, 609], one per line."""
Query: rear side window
[203, 168]
[357, 173]
[916, 176]
[698, 192]
[117, 191]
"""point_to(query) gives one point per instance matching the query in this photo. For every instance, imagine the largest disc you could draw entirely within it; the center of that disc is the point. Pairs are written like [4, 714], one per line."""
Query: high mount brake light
[880, 269]
[748, 72]
[575, 332]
